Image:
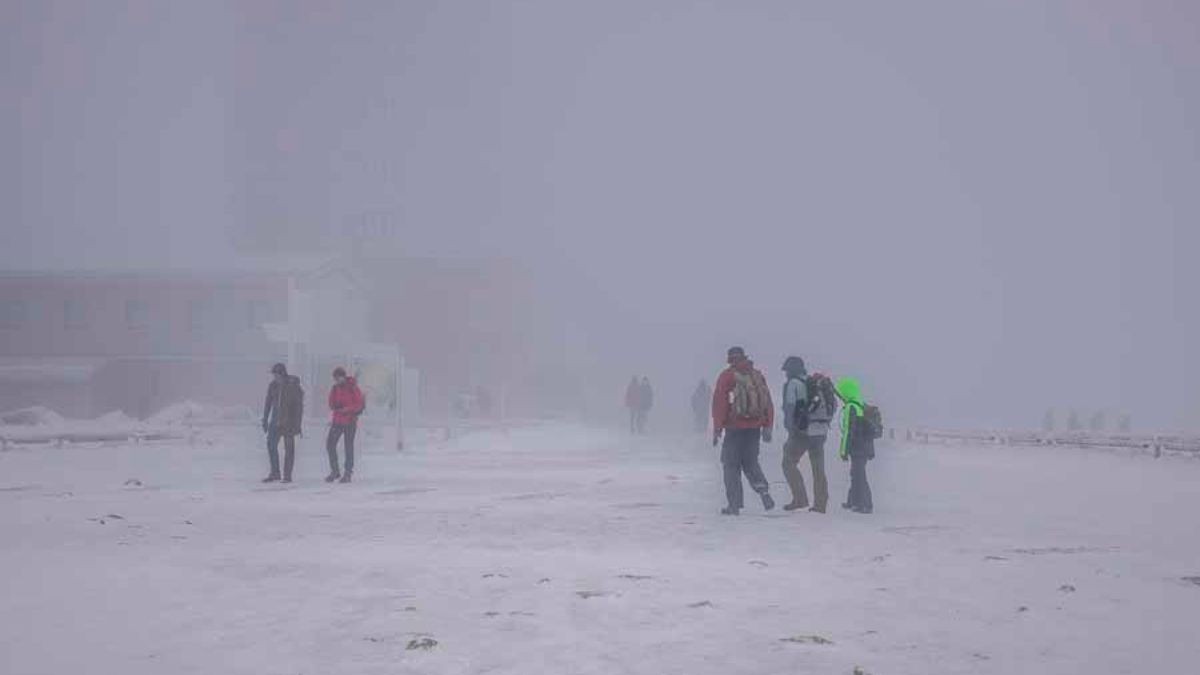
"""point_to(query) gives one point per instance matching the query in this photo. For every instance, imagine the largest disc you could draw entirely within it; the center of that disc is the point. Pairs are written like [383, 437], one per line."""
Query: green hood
[849, 390]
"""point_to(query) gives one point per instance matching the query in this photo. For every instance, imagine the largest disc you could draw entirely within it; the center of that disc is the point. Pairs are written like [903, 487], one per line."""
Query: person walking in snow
[701, 398]
[633, 398]
[822, 404]
[795, 422]
[645, 403]
[346, 402]
[282, 415]
[808, 406]
[858, 445]
[742, 411]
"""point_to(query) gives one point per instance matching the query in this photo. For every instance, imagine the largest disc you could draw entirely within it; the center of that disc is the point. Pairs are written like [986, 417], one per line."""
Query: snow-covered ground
[567, 550]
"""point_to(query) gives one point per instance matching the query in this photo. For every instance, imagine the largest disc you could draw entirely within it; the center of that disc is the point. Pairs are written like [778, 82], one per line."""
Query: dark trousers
[860, 489]
[289, 449]
[739, 454]
[337, 431]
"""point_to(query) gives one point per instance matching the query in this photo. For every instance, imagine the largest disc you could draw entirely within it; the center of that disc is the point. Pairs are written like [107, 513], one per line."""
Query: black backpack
[873, 421]
[820, 391]
[800, 409]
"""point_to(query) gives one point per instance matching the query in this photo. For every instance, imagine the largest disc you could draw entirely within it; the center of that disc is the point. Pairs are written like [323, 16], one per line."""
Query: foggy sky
[981, 209]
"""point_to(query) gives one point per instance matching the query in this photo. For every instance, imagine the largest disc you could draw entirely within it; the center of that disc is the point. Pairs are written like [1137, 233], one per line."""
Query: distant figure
[743, 412]
[633, 401]
[701, 398]
[645, 403]
[858, 445]
[347, 403]
[282, 414]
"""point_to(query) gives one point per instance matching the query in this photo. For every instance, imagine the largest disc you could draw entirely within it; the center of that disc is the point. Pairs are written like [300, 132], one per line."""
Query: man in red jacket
[346, 401]
[742, 410]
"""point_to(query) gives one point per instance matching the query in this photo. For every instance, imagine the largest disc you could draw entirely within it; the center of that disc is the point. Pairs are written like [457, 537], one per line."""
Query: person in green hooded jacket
[857, 445]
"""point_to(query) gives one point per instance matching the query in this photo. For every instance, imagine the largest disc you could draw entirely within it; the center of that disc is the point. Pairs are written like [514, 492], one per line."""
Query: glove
[265, 427]
[716, 437]
[766, 434]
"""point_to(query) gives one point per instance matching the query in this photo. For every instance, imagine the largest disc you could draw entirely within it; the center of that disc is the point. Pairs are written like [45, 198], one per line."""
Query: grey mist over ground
[980, 209]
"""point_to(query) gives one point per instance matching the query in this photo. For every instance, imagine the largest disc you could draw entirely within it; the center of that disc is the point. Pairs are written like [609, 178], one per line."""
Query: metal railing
[1151, 443]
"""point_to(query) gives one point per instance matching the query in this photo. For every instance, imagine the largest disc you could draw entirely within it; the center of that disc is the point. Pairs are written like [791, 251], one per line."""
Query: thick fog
[982, 210]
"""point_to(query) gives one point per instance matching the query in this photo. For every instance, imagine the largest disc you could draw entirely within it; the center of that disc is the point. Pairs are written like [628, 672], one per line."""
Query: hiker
[808, 406]
[795, 421]
[742, 410]
[858, 445]
[645, 403]
[282, 414]
[347, 403]
[700, 402]
[822, 404]
[633, 401]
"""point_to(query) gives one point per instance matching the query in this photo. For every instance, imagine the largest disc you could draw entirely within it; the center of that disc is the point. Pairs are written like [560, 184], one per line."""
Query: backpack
[820, 391]
[801, 408]
[873, 419]
[751, 398]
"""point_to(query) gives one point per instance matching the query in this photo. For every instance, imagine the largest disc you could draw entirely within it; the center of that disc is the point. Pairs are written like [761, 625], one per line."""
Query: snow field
[560, 549]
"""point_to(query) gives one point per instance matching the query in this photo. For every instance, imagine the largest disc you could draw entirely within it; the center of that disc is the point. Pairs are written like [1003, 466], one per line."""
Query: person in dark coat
[645, 404]
[633, 401]
[858, 445]
[283, 413]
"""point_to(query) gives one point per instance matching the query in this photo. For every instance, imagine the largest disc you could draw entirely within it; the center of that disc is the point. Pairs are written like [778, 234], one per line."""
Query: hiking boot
[768, 503]
[286, 479]
[793, 506]
[817, 509]
[846, 505]
[862, 509]
[271, 479]
[345, 478]
[729, 511]
[333, 475]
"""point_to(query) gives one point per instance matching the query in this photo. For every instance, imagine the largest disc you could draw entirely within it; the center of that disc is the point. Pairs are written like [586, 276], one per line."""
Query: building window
[75, 315]
[13, 314]
[137, 314]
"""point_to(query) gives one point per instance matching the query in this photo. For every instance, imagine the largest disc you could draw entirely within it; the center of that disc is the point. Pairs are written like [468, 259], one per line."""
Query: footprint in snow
[635, 577]
[758, 563]
[914, 529]
[588, 595]
[425, 643]
[702, 603]
[807, 640]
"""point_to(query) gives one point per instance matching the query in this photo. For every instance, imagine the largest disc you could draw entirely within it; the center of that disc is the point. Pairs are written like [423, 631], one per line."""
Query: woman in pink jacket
[346, 401]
